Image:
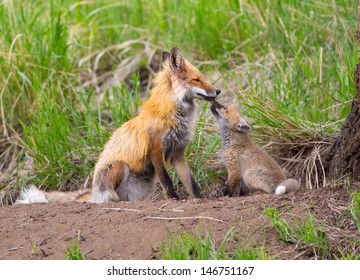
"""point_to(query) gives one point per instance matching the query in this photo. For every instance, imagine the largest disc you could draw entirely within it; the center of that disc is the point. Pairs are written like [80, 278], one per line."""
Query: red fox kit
[139, 149]
[249, 167]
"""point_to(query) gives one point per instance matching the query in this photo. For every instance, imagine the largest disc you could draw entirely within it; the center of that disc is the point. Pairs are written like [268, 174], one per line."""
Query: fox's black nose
[217, 91]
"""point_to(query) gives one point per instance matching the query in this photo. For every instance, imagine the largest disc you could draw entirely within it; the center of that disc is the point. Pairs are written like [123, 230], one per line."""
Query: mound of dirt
[136, 230]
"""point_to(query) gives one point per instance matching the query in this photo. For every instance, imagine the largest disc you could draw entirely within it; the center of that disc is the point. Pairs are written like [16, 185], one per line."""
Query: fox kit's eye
[196, 80]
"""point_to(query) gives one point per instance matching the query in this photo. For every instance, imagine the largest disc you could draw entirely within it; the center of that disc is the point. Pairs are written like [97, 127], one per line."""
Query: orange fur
[134, 145]
[137, 150]
[131, 143]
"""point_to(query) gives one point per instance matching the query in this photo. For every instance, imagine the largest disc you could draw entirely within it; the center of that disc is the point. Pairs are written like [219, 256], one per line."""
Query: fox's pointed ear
[177, 61]
[244, 126]
[165, 56]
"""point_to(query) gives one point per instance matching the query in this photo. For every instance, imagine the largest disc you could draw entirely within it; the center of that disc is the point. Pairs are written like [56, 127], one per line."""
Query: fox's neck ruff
[233, 138]
[165, 99]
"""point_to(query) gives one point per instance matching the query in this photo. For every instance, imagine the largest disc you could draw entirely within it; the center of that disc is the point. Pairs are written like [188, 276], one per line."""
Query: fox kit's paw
[226, 191]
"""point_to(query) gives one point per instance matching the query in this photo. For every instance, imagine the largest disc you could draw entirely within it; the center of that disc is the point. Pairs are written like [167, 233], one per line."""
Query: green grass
[304, 232]
[74, 253]
[281, 225]
[354, 208]
[347, 255]
[187, 246]
[290, 64]
[65, 142]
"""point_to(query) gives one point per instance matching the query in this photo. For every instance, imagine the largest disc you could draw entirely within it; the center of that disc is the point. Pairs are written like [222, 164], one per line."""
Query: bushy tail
[286, 186]
[33, 195]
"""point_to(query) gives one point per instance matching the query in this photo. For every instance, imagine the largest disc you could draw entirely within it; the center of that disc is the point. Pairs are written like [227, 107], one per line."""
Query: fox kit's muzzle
[215, 107]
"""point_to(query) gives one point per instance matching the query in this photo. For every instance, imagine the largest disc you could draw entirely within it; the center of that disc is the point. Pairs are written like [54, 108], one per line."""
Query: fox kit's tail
[288, 185]
[33, 195]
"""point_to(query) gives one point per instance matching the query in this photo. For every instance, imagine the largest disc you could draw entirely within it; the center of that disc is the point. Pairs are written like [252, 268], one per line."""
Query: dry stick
[121, 209]
[88, 252]
[43, 252]
[169, 210]
[336, 209]
[299, 255]
[97, 215]
[14, 248]
[185, 218]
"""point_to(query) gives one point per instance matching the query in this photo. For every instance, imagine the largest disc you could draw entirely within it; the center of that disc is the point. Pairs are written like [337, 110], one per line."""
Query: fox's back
[262, 161]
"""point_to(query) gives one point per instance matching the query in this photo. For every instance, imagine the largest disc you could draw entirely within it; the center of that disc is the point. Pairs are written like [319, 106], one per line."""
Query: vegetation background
[73, 71]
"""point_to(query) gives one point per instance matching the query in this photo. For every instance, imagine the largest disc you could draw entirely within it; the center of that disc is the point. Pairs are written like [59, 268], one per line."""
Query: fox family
[140, 149]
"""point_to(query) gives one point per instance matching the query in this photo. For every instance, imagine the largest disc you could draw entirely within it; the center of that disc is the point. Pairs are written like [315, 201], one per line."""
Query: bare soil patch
[44, 231]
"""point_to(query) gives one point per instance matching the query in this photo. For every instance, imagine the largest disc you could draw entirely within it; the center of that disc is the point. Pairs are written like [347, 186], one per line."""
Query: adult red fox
[160, 133]
[248, 166]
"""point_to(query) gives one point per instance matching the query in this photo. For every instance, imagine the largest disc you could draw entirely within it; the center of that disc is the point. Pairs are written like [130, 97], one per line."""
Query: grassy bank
[70, 74]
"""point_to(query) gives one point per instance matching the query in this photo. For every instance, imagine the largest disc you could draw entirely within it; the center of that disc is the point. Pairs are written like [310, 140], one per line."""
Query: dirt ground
[137, 229]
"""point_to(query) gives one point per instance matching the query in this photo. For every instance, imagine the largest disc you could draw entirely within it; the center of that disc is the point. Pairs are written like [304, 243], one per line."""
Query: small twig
[299, 255]
[40, 242]
[162, 206]
[121, 209]
[331, 205]
[169, 210]
[43, 252]
[185, 218]
[88, 252]
[97, 215]
[15, 248]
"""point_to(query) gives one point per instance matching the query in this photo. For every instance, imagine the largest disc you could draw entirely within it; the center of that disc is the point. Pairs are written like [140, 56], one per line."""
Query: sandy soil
[137, 229]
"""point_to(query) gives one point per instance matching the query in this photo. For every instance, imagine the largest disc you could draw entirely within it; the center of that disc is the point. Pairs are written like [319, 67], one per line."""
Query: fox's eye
[196, 80]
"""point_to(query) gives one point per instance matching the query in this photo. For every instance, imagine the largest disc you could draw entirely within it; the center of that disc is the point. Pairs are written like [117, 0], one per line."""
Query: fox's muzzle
[208, 95]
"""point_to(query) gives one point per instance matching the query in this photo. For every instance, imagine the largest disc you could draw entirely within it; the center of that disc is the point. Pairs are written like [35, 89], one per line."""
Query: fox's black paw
[225, 191]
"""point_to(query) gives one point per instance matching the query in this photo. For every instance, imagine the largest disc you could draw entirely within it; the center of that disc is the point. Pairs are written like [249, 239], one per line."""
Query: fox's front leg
[158, 162]
[184, 173]
[244, 189]
[233, 183]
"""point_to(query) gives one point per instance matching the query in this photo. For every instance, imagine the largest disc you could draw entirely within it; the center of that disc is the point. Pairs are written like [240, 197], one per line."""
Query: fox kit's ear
[244, 126]
[165, 56]
[177, 61]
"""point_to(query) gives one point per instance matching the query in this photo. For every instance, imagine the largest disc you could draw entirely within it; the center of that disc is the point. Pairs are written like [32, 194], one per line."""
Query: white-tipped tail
[286, 186]
[31, 195]
[280, 190]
